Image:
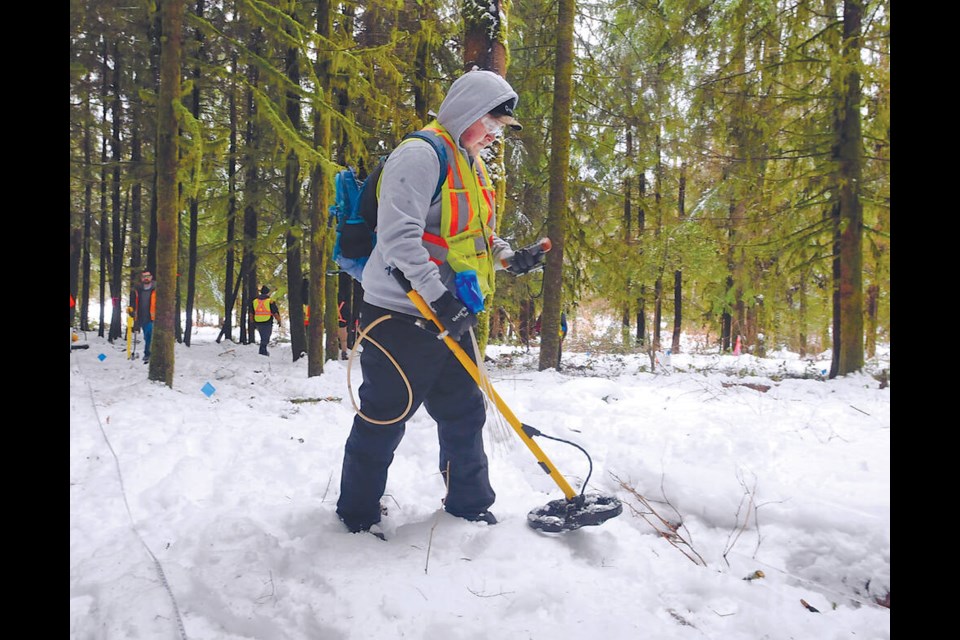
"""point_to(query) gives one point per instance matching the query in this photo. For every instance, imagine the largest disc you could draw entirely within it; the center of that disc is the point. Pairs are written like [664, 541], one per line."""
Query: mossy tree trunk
[168, 205]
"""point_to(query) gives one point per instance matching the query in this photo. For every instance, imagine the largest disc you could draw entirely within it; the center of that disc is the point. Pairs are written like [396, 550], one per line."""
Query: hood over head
[472, 95]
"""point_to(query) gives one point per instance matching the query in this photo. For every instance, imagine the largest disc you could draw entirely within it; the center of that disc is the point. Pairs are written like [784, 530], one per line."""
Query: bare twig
[390, 495]
[490, 595]
[668, 530]
[436, 519]
[272, 595]
[327, 488]
[750, 508]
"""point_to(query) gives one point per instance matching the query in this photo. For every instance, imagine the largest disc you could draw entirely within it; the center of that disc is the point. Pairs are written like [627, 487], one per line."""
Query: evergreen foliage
[703, 140]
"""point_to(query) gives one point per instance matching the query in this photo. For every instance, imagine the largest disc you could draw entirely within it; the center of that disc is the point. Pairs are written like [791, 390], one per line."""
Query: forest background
[720, 165]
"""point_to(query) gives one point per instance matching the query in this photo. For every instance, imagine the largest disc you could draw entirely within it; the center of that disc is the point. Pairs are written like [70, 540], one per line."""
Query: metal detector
[572, 512]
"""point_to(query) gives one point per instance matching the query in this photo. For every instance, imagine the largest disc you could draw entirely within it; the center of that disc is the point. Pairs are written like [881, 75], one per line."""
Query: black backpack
[355, 208]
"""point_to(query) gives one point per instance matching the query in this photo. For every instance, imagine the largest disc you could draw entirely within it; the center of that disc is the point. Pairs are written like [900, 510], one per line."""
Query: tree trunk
[228, 286]
[848, 287]
[627, 239]
[641, 317]
[252, 185]
[641, 227]
[657, 311]
[116, 271]
[658, 212]
[483, 46]
[194, 205]
[557, 202]
[677, 310]
[873, 303]
[320, 289]
[104, 240]
[678, 274]
[136, 191]
[168, 148]
[726, 318]
[298, 339]
[421, 70]
[83, 290]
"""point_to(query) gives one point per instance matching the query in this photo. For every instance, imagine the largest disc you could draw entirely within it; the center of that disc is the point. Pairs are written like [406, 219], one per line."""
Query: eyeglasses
[491, 124]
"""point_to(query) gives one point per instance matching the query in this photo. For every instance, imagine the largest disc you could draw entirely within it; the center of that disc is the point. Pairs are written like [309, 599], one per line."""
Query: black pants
[264, 329]
[451, 397]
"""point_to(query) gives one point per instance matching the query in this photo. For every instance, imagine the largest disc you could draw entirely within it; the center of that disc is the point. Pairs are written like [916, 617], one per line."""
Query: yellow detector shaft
[471, 368]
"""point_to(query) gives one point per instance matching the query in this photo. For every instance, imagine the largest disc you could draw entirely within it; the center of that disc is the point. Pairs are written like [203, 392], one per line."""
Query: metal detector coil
[566, 515]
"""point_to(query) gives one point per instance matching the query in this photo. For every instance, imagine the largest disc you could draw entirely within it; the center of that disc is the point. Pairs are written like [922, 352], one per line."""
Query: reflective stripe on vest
[467, 216]
[261, 309]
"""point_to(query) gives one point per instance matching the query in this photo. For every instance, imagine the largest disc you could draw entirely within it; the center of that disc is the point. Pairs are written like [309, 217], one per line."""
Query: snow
[212, 516]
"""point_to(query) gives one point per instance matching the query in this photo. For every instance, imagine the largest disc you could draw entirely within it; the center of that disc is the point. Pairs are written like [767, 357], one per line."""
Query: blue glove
[453, 315]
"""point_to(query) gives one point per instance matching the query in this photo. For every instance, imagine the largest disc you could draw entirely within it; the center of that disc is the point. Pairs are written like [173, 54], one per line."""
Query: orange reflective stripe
[454, 204]
[488, 191]
[455, 184]
[435, 239]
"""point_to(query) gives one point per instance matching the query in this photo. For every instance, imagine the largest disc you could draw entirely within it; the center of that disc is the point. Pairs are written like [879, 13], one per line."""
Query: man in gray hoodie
[446, 248]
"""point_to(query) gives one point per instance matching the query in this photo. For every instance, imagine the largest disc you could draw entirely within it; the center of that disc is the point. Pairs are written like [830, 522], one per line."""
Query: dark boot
[483, 516]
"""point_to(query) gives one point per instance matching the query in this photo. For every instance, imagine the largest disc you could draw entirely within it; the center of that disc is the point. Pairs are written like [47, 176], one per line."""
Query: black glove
[454, 317]
[525, 260]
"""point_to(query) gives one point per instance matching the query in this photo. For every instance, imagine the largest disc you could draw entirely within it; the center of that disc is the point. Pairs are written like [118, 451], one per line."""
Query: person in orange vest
[305, 297]
[264, 312]
[412, 239]
[145, 310]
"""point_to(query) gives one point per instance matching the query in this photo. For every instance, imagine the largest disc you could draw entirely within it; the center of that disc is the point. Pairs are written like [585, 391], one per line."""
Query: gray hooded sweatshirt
[405, 211]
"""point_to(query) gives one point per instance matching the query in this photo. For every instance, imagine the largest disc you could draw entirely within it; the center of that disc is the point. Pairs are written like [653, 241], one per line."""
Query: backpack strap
[441, 149]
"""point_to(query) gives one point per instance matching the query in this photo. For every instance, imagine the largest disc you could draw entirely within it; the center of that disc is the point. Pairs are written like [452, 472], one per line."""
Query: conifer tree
[168, 104]
[559, 171]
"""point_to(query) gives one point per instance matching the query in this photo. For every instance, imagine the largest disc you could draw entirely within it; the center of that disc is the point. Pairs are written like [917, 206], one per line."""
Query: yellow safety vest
[261, 309]
[468, 205]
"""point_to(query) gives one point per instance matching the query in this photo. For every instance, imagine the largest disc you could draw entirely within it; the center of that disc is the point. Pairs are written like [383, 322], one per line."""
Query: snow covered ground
[206, 511]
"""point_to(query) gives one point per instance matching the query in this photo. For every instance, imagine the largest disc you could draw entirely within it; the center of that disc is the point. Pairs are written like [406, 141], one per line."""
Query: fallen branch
[762, 388]
[327, 399]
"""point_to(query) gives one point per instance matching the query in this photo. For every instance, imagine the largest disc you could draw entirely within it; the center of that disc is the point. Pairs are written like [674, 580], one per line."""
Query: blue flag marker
[208, 389]
[101, 357]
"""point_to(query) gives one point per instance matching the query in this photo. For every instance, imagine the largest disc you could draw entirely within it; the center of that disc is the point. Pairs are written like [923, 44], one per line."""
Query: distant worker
[349, 300]
[305, 297]
[265, 310]
[145, 309]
